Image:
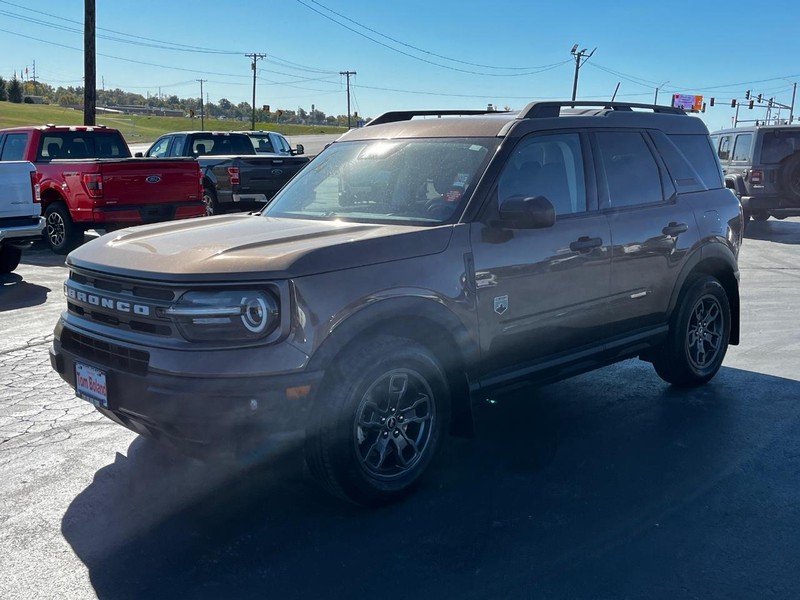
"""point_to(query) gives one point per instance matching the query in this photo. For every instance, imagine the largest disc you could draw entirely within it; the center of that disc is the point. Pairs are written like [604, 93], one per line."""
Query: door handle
[675, 228]
[585, 243]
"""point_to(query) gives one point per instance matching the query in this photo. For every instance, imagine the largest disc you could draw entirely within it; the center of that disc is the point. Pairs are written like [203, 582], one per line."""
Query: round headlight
[255, 316]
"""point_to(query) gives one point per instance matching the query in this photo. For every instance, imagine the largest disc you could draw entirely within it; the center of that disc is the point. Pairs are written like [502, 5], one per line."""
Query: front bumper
[213, 416]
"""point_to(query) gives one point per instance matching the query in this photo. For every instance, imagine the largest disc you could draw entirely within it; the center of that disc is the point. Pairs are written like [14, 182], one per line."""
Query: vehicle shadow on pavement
[782, 232]
[15, 292]
[611, 484]
[40, 255]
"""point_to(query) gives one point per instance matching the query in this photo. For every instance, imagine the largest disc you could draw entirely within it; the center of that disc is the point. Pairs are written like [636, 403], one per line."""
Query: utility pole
[655, 100]
[202, 116]
[580, 59]
[256, 57]
[89, 63]
[348, 74]
[791, 108]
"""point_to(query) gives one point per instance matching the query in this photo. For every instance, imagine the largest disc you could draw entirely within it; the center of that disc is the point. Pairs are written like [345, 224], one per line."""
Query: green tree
[15, 91]
[3, 94]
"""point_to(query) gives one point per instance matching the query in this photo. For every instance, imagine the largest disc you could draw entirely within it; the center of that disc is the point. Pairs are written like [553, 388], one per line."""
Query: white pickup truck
[21, 220]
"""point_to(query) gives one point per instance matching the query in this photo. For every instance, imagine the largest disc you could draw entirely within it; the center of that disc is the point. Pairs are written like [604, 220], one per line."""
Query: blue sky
[423, 54]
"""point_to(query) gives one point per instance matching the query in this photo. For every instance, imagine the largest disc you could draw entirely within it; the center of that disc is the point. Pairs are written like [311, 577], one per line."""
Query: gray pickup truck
[235, 177]
[21, 220]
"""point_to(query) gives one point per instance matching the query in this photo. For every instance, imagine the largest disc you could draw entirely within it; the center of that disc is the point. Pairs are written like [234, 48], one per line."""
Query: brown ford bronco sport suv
[417, 264]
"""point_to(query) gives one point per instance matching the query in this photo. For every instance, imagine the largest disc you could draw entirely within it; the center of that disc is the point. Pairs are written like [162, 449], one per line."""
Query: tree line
[18, 91]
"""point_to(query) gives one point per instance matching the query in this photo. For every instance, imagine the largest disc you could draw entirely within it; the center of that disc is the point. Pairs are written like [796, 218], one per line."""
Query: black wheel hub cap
[394, 423]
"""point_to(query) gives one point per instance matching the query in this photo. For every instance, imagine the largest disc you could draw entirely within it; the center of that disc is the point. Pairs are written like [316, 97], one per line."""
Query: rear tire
[210, 200]
[378, 421]
[61, 232]
[698, 335]
[760, 216]
[9, 258]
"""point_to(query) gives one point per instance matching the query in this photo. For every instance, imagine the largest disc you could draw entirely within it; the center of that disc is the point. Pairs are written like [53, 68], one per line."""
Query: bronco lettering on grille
[109, 303]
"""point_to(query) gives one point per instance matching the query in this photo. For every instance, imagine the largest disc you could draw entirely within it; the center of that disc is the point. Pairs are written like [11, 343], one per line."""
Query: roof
[550, 115]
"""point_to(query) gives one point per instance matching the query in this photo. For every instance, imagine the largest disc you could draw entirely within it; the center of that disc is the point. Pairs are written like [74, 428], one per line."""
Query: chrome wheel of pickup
[61, 232]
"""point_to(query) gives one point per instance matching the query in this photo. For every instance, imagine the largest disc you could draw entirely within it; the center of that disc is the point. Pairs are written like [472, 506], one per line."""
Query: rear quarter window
[699, 152]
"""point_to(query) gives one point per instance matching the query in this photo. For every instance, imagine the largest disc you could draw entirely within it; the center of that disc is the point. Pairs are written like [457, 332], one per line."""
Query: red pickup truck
[88, 179]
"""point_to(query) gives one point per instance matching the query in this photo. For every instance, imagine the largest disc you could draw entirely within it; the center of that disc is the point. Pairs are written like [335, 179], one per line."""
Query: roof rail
[406, 115]
[553, 108]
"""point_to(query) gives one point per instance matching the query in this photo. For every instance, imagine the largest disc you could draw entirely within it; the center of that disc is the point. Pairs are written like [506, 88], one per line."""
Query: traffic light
[747, 95]
[750, 106]
[759, 98]
[733, 103]
[711, 101]
[704, 107]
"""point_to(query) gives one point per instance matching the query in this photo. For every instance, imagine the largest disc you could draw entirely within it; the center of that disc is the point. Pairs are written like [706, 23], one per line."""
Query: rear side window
[700, 153]
[631, 172]
[14, 146]
[741, 147]
[779, 144]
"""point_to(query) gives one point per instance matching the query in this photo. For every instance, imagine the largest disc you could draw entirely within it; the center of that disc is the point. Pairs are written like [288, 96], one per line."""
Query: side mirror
[528, 213]
[300, 149]
[139, 155]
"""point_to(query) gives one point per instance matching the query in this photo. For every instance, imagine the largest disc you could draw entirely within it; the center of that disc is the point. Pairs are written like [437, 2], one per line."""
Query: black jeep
[762, 165]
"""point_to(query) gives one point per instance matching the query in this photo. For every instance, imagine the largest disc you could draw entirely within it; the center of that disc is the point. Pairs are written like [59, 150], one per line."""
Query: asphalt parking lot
[608, 485]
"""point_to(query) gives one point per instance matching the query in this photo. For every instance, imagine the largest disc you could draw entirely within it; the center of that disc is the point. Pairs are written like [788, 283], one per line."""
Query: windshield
[387, 181]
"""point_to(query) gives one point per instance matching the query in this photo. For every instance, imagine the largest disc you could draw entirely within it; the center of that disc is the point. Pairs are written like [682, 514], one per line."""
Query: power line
[418, 49]
[430, 62]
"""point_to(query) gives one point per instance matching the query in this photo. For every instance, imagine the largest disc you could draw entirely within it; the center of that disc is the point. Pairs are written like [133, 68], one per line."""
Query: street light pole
[580, 59]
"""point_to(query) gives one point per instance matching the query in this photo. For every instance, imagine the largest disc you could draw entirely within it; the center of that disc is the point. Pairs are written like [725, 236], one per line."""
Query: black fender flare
[425, 320]
[718, 260]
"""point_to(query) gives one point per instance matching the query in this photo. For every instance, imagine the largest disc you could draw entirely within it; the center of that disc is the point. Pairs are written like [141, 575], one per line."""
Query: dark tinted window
[724, 152]
[777, 145]
[683, 174]
[549, 166]
[222, 145]
[741, 147]
[700, 154]
[82, 144]
[14, 146]
[631, 172]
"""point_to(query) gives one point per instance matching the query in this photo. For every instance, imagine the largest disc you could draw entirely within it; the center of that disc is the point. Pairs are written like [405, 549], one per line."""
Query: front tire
[9, 258]
[61, 232]
[378, 421]
[698, 337]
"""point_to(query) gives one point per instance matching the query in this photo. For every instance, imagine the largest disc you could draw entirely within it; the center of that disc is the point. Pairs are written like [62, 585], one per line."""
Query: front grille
[105, 353]
[120, 286]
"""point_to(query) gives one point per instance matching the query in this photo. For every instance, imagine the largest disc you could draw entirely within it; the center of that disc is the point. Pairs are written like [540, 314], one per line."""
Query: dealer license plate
[90, 384]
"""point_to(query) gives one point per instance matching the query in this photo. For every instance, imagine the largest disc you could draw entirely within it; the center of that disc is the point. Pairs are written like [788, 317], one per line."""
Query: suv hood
[243, 247]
